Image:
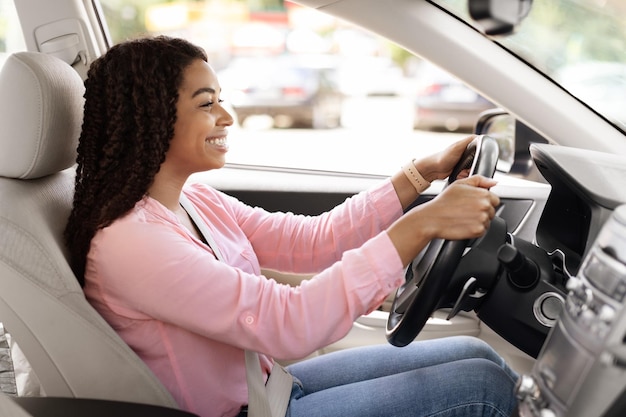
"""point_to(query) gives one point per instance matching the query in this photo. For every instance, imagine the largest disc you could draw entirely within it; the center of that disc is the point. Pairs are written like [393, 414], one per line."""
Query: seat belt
[272, 399]
[264, 400]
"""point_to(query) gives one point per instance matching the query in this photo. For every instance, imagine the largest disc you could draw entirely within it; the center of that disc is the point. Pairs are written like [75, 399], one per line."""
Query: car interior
[36, 185]
[545, 286]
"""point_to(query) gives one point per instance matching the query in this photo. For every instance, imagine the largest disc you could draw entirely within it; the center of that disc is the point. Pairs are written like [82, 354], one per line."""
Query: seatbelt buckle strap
[272, 398]
[278, 388]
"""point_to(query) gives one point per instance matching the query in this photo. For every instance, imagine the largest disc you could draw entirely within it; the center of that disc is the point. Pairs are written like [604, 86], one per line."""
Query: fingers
[477, 188]
[464, 173]
[478, 181]
[455, 151]
[449, 157]
[439, 165]
[495, 200]
[464, 210]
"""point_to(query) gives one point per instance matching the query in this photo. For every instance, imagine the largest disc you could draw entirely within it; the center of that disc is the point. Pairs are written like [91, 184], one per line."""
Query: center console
[581, 369]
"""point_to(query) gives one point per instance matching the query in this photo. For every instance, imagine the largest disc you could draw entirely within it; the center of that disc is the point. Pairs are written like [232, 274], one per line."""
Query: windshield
[578, 43]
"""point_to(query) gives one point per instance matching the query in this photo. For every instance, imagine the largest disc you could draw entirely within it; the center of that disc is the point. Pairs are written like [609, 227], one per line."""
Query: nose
[225, 118]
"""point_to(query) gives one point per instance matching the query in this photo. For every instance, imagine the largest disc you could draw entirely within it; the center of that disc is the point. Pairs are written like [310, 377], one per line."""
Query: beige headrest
[41, 104]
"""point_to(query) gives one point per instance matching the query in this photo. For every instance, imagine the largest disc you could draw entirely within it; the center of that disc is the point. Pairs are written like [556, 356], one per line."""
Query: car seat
[10, 408]
[72, 350]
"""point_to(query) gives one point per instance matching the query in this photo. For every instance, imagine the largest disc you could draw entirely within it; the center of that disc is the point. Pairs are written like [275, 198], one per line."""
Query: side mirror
[514, 139]
[499, 17]
[501, 126]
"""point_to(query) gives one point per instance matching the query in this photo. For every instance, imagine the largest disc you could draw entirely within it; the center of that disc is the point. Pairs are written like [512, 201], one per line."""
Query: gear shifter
[523, 272]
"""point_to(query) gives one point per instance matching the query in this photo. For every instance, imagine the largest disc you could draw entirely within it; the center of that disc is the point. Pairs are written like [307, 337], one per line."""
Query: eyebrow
[203, 90]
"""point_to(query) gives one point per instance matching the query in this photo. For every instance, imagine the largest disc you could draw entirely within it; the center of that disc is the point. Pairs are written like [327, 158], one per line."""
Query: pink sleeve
[308, 244]
[154, 272]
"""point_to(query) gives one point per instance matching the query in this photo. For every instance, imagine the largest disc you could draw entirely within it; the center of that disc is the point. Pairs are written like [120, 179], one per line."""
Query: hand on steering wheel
[428, 275]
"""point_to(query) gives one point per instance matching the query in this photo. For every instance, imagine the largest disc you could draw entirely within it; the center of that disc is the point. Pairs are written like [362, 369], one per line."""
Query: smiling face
[201, 128]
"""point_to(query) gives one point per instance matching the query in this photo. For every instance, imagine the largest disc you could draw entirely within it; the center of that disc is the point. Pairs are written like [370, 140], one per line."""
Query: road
[376, 137]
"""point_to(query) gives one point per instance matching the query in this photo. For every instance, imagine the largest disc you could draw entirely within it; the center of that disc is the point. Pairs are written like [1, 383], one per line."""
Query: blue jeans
[455, 376]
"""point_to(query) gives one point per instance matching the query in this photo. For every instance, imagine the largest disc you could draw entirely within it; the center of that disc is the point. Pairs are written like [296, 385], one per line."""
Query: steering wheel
[428, 275]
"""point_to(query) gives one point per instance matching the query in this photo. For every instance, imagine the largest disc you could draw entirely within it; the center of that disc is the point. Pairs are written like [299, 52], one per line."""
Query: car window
[309, 90]
[579, 44]
[11, 38]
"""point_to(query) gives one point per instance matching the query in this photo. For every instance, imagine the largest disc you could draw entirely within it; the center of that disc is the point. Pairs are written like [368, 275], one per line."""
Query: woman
[152, 117]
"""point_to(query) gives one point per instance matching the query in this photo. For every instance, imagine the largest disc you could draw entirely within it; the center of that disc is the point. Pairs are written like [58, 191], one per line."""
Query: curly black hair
[129, 115]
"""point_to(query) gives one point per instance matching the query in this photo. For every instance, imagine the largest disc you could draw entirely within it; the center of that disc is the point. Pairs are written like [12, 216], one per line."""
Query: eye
[211, 103]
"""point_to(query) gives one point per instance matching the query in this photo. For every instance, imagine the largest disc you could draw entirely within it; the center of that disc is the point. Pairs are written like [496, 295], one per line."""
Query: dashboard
[586, 187]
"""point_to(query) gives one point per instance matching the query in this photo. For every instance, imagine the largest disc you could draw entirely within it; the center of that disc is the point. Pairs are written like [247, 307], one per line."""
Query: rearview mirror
[499, 17]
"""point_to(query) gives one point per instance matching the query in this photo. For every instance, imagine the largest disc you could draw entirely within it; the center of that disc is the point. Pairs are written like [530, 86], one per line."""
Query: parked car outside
[294, 90]
[443, 102]
[371, 76]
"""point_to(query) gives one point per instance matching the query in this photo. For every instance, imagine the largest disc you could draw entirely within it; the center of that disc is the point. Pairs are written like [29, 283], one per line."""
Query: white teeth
[217, 141]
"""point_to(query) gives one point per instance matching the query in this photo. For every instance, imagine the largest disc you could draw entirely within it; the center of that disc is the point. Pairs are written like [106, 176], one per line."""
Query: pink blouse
[190, 317]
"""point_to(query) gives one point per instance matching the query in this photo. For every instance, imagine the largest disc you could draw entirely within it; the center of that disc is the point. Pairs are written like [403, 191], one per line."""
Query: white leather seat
[8, 407]
[72, 350]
